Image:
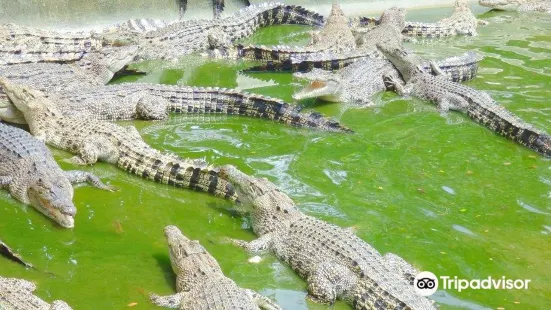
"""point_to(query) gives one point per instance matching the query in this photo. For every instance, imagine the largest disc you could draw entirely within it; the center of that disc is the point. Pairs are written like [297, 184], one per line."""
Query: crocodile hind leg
[452, 102]
[263, 302]
[403, 268]
[93, 149]
[330, 281]
[77, 176]
[171, 301]
[151, 107]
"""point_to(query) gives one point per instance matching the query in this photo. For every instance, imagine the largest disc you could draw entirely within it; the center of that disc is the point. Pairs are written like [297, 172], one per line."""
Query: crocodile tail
[501, 121]
[233, 102]
[263, 53]
[175, 171]
[289, 14]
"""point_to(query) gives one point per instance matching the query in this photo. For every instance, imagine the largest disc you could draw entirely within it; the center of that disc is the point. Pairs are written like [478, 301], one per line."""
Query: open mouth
[314, 89]
[63, 218]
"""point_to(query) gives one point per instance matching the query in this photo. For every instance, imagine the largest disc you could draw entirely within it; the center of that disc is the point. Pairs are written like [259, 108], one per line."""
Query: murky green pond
[441, 191]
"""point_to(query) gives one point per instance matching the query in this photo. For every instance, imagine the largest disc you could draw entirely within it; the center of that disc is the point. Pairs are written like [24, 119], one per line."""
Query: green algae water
[441, 191]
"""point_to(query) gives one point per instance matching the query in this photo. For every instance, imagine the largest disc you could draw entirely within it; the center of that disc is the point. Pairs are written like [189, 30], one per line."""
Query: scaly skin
[30, 173]
[461, 22]
[542, 6]
[478, 105]
[360, 81]
[17, 294]
[334, 262]
[8, 253]
[94, 69]
[93, 140]
[181, 38]
[200, 283]
[335, 35]
[303, 59]
[153, 101]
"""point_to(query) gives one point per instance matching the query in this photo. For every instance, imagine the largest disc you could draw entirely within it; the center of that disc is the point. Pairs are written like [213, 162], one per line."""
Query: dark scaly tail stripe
[231, 102]
[164, 169]
[521, 132]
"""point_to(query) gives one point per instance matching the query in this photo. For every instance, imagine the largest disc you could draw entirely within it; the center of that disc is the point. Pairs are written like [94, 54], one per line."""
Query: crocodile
[127, 101]
[30, 173]
[303, 59]
[543, 6]
[94, 69]
[335, 35]
[17, 294]
[200, 282]
[461, 22]
[92, 140]
[358, 82]
[334, 261]
[478, 105]
[184, 37]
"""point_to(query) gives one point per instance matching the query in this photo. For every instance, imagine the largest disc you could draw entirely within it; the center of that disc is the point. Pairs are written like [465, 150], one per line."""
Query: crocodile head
[272, 209]
[53, 197]
[394, 16]
[323, 84]
[506, 5]
[186, 256]
[105, 63]
[407, 63]
[24, 98]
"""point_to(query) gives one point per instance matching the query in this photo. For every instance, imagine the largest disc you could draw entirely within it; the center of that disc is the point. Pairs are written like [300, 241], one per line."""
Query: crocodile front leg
[258, 245]
[171, 301]
[330, 281]
[78, 176]
[263, 302]
[393, 83]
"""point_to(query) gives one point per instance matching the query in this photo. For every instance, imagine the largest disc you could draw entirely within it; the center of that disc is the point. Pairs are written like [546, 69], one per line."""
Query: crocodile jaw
[325, 90]
[62, 212]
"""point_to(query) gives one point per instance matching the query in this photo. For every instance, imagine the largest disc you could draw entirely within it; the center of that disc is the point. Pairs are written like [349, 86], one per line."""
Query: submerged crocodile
[360, 81]
[461, 22]
[92, 140]
[478, 105]
[94, 69]
[543, 6]
[17, 294]
[200, 282]
[30, 173]
[334, 261]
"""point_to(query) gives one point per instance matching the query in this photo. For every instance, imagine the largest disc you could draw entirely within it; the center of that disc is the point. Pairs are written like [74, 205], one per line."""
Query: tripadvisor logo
[426, 283]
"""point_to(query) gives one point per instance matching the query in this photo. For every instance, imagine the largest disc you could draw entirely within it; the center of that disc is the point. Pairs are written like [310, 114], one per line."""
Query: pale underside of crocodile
[542, 6]
[17, 294]
[200, 282]
[478, 105]
[95, 140]
[334, 261]
[31, 175]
